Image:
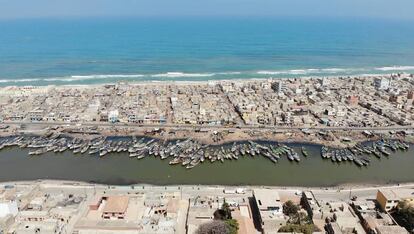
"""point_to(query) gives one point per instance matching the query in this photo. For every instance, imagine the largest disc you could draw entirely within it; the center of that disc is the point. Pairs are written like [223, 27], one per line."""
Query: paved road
[328, 193]
[191, 127]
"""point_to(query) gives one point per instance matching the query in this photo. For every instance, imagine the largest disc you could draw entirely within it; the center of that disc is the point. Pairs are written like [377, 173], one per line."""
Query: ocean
[93, 51]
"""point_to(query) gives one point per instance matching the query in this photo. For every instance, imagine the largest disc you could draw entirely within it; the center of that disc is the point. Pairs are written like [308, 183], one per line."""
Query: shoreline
[175, 80]
[202, 80]
[230, 141]
[358, 186]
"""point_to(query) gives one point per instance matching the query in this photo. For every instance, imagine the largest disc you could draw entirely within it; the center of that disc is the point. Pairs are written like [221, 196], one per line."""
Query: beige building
[270, 209]
[388, 199]
[115, 207]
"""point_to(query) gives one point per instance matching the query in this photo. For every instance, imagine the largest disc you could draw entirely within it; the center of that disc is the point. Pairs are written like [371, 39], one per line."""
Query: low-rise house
[389, 198]
[270, 209]
[115, 207]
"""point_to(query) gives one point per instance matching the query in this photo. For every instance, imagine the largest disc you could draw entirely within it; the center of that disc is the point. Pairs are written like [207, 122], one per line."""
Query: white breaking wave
[395, 68]
[93, 77]
[19, 80]
[335, 70]
[109, 76]
[73, 78]
[290, 72]
[299, 72]
[243, 74]
[229, 73]
[270, 72]
[181, 74]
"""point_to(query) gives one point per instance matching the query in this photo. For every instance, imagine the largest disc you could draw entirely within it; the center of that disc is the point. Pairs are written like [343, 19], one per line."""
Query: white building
[113, 116]
[324, 81]
[382, 83]
[8, 208]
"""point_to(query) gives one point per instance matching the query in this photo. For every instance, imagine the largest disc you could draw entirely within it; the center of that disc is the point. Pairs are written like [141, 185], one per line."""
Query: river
[16, 165]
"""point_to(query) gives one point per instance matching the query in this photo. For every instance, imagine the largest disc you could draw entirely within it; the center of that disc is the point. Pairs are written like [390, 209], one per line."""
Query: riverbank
[190, 152]
[219, 188]
[212, 135]
[121, 169]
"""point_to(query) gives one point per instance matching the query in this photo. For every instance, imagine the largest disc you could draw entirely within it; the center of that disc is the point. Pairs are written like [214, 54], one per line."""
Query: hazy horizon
[351, 9]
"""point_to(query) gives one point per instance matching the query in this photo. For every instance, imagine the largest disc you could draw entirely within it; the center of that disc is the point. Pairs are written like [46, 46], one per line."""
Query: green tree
[224, 213]
[213, 227]
[233, 226]
[299, 218]
[290, 209]
[305, 228]
[227, 211]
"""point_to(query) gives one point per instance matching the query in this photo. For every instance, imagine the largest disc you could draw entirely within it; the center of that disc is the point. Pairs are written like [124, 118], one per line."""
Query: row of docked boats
[360, 154]
[188, 153]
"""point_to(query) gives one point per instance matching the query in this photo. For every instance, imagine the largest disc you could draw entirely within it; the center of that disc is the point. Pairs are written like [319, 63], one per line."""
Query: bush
[224, 213]
[289, 208]
[222, 224]
[233, 226]
[305, 228]
[404, 213]
[214, 227]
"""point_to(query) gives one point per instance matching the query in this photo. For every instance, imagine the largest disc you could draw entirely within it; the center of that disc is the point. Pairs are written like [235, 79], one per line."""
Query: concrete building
[113, 116]
[324, 81]
[8, 208]
[268, 200]
[391, 230]
[36, 115]
[115, 207]
[388, 198]
[382, 83]
[343, 219]
[270, 209]
[278, 87]
[44, 227]
[352, 100]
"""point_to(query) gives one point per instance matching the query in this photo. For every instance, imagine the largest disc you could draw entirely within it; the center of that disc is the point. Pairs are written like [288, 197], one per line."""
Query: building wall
[8, 208]
[381, 200]
[384, 203]
[111, 215]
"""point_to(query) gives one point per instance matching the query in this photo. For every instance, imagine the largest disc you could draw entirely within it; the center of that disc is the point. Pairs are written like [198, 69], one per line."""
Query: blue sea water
[90, 51]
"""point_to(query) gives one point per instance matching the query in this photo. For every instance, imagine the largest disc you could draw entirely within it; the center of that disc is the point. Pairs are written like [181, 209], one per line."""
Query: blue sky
[393, 9]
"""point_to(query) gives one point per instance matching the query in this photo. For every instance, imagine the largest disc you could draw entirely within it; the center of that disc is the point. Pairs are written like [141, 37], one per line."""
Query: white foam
[270, 72]
[395, 68]
[229, 73]
[289, 72]
[63, 79]
[19, 80]
[108, 76]
[172, 75]
[310, 71]
[92, 77]
[181, 74]
[335, 70]
[298, 72]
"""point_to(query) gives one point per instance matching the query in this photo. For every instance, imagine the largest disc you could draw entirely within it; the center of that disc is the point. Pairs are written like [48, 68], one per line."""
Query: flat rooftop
[116, 204]
[267, 198]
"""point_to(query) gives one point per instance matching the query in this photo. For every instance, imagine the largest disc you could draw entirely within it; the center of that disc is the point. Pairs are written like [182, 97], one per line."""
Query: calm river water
[120, 169]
